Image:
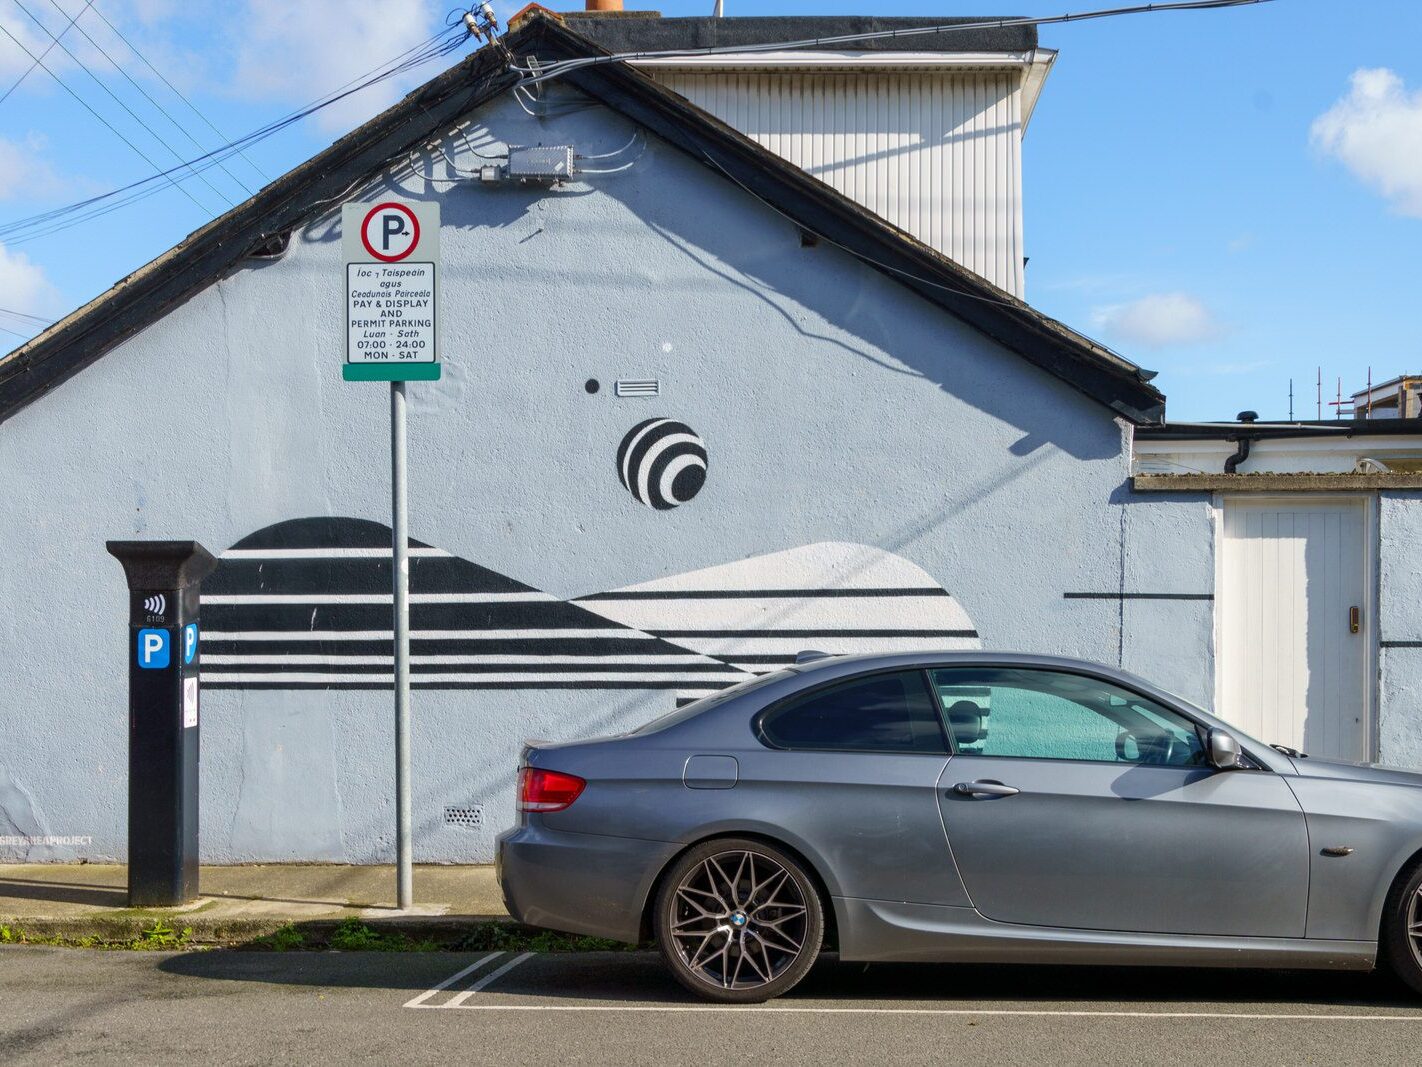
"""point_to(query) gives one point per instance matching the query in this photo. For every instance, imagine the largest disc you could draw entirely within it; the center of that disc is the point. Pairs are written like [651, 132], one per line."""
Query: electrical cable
[30, 69]
[534, 75]
[46, 223]
[176, 91]
[113, 129]
[25, 315]
[144, 92]
[61, 218]
[104, 86]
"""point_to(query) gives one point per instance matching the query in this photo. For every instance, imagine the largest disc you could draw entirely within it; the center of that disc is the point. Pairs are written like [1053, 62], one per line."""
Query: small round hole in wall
[592, 385]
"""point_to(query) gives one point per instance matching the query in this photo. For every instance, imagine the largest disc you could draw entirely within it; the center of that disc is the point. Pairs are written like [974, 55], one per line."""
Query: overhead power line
[176, 91]
[30, 69]
[118, 100]
[113, 129]
[534, 75]
[45, 223]
[54, 220]
[145, 94]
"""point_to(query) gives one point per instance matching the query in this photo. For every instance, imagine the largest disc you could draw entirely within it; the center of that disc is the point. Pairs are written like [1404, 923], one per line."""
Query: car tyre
[1403, 913]
[738, 921]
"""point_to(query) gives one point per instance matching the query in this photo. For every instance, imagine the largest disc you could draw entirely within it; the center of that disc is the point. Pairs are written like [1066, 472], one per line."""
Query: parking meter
[164, 578]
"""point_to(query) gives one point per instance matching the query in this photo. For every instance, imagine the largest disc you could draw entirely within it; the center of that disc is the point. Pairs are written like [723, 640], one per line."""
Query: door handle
[986, 789]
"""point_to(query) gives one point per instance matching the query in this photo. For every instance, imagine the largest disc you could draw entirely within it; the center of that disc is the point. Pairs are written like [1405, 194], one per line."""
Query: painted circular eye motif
[662, 463]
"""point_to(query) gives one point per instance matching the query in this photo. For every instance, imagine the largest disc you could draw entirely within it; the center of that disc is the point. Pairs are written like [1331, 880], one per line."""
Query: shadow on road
[639, 978]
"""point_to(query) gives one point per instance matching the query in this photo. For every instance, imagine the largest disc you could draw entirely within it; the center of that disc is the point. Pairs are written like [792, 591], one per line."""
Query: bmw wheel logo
[662, 463]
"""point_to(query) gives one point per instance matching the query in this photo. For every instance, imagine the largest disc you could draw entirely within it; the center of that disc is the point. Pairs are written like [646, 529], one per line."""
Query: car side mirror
[1224, 751]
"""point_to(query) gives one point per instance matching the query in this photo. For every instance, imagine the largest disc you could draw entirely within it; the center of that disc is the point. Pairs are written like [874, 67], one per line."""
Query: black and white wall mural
[662, 463]
[306, 604]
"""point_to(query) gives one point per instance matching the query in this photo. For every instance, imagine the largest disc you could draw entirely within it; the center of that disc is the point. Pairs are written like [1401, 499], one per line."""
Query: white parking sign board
[392, 286]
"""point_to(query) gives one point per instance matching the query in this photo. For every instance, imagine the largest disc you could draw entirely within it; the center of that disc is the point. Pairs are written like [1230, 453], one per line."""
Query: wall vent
[638, 387]
[468, 818]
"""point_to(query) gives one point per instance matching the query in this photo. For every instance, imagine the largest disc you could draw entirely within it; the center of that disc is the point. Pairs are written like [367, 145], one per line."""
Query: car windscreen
[706, 703]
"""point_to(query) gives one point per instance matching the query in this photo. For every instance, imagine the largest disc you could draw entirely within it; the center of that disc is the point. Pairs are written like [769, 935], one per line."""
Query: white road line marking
[420, 1000]
[934, 1011]
[488, 979]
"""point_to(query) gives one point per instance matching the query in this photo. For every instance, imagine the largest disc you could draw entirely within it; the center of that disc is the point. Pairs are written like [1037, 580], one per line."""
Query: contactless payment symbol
[153, 649]
[390, 232]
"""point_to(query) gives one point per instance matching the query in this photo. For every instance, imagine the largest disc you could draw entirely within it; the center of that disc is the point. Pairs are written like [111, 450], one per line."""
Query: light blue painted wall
[836, 406]
[1400, 629]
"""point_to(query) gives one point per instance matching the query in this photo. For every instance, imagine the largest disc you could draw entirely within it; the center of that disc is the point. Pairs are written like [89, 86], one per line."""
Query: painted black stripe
[323, 531]
[777, 657]
[1400, 644]
[439, 646]
[814, 633]
[271, 666]
[755, 594]
[415, 683]
[1138, 596]
[514, 615]
[292, 577]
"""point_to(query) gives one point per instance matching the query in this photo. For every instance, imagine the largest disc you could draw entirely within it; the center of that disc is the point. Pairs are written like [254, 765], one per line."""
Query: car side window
[1042, 714]
[880, 713]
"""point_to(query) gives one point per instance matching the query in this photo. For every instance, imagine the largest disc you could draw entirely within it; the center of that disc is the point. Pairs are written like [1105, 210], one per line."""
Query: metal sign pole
[391, 252]
[400, 526]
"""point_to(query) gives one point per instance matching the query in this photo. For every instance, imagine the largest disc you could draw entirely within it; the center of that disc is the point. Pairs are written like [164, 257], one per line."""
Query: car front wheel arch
[831, 936]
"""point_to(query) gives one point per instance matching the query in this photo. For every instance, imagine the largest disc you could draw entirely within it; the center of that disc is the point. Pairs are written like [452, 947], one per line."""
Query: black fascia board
[1222, 431]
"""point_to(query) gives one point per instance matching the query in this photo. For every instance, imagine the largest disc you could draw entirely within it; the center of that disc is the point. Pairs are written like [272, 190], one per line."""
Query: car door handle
[987, 789]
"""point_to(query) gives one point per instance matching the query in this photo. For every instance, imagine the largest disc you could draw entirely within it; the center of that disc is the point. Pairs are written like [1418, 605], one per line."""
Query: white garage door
[1293, 624]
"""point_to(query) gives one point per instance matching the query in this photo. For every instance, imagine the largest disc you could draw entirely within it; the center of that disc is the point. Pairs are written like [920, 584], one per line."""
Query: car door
[851, 768]
[1071, 801]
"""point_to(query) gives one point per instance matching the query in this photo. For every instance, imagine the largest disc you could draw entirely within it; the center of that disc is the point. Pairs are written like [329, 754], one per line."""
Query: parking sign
[153, 650]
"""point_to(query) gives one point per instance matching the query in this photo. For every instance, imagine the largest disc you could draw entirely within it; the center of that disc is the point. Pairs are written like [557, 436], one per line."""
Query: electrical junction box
[543, 163]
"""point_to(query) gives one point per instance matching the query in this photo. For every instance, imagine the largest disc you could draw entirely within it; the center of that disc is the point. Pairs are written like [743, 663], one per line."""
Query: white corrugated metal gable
[932, 146]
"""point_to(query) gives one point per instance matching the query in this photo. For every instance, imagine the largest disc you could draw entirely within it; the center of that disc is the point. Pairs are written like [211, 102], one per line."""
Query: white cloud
[24, 288]
[25, 173]
[13, 60]
[1158, 320]
[1376, 132]
[296, 52]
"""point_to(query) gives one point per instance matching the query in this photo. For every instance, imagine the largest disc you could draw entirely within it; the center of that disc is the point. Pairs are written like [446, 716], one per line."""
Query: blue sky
[1232, 198]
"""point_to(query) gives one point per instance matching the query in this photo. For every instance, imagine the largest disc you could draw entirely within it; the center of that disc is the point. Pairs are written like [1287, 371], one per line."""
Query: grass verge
[348, 935]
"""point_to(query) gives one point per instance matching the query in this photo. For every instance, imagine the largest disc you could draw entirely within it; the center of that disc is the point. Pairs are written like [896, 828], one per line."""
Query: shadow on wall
[855, 310]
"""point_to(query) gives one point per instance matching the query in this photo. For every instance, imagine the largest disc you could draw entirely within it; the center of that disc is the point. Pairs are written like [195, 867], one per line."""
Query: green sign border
[391, 372]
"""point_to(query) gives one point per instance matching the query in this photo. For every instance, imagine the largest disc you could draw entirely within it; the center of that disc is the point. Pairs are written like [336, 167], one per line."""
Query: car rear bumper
[579, 883]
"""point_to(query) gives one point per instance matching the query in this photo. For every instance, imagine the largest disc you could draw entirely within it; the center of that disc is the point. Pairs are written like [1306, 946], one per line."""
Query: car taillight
[540, 790]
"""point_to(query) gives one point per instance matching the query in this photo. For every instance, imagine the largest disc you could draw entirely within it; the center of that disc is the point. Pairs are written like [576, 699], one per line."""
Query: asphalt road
[255, 1008]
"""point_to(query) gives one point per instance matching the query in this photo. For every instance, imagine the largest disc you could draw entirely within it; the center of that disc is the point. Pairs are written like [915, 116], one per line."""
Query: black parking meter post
[164, 579]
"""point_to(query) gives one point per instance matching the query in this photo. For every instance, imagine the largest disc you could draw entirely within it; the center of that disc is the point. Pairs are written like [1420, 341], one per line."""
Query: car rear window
[696, 707]
[879, 713]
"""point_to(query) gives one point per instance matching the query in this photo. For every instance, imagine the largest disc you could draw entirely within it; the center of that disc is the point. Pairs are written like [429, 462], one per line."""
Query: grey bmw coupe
[963, 806]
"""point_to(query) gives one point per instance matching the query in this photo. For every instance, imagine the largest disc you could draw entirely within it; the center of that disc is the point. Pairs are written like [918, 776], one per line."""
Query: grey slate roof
[203, 257]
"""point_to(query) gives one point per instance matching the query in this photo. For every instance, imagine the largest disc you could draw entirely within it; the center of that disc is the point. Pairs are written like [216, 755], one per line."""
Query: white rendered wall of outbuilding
[937, 154]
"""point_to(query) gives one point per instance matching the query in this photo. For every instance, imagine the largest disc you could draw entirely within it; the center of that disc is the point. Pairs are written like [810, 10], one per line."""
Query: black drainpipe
[1242, 442]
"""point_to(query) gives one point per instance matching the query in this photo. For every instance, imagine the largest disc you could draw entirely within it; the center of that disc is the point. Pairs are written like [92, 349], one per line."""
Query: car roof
[834, 665]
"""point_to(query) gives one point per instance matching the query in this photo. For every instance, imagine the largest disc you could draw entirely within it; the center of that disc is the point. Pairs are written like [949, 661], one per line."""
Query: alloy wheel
[738, 920]
[1414, 925]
